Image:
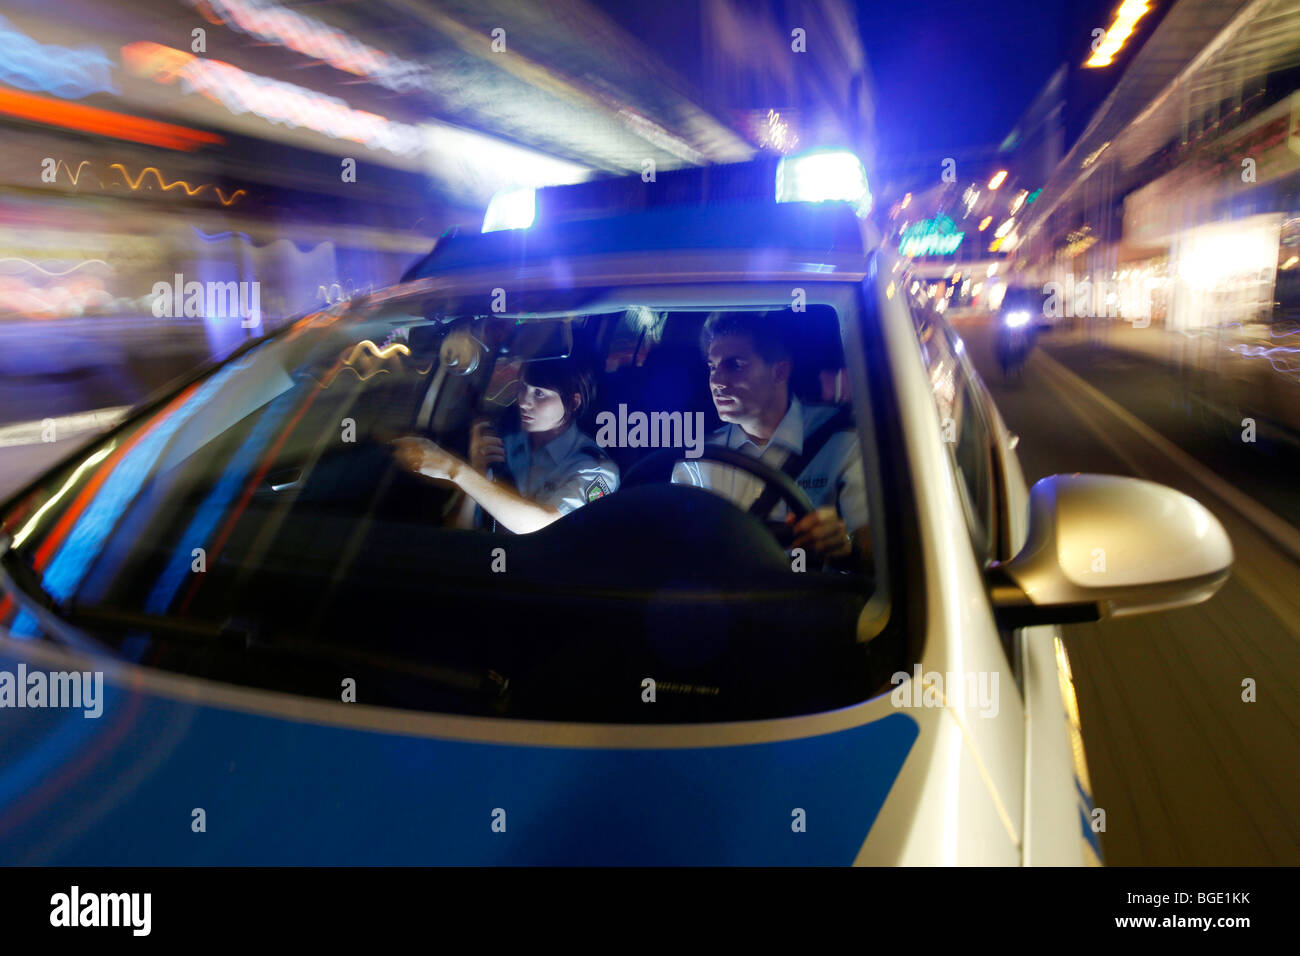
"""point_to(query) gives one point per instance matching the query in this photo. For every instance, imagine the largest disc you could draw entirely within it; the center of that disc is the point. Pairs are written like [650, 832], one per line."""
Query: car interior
[328, 561]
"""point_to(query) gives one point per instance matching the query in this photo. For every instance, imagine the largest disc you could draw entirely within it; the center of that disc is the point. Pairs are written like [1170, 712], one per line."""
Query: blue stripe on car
[277, 791]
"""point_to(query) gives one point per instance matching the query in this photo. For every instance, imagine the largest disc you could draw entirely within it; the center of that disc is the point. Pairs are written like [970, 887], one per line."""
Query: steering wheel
[658, 467]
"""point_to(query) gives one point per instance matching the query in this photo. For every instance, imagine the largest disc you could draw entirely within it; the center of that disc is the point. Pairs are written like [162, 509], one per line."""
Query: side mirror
[1106, 546]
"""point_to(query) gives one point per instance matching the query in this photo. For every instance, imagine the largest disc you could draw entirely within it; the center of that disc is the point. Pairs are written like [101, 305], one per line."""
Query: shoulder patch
[598, 488]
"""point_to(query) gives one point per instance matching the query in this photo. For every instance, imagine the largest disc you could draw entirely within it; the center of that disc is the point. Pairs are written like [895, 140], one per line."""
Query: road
[1189, 774]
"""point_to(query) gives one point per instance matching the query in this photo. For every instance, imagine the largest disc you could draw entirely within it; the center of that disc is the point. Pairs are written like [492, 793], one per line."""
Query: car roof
[741, 227]
[708, 209]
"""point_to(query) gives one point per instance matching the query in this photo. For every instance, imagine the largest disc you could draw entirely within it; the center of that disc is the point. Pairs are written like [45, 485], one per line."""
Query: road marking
[1277, 529]
[33, 432]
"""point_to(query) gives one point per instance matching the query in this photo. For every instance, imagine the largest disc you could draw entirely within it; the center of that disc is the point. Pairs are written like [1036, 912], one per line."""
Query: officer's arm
[509, 507]
[465, 510]
[851, 503]
[506, 505]
[589, 481]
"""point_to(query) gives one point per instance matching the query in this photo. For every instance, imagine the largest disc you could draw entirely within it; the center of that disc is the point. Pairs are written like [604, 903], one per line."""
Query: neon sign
[930, 237]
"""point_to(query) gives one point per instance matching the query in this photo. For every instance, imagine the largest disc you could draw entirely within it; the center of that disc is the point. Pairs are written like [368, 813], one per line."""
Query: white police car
[309, 657]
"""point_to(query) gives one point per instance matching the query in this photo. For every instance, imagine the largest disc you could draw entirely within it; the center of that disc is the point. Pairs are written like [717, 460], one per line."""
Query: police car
[306, 658]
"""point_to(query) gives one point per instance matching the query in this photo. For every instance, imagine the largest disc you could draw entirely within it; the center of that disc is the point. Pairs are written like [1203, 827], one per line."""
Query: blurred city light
[274, 23]
[1126, 19]
[273, 100]
[997, 179]
[775, 133]
[68, 73]
[481, 166]
[91, 119]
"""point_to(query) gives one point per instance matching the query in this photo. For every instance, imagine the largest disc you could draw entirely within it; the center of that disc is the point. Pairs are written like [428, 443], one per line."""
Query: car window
[963, 428]
[257, 526]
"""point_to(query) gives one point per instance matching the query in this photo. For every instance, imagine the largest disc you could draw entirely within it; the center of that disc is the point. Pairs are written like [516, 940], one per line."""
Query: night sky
[950, 77]
[955, 75]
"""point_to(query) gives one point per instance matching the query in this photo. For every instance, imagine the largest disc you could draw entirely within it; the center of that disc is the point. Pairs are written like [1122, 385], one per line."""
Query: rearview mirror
[1106, 546]
[538, 340]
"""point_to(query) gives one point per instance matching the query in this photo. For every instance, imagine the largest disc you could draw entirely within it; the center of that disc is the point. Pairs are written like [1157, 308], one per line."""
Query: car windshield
[469, 511]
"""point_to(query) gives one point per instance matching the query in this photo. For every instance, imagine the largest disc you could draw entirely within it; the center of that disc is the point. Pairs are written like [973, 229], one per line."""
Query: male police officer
[749, 379]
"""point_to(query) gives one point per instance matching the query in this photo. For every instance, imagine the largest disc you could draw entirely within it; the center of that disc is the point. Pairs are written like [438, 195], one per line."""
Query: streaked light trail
[273, 100]
[64, 71]
[90, 119]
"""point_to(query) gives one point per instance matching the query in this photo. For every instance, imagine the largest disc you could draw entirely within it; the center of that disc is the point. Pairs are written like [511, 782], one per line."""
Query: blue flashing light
[826, 175]
[511, 209]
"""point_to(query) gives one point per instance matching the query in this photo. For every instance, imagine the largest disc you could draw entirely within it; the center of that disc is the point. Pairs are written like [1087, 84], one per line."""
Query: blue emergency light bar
[813, 204]
[826, 175]
[511, 209]
[811, 229]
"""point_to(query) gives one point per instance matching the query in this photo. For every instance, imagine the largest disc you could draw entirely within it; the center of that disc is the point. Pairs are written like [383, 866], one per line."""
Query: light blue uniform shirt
[566, 473]
[833, 478]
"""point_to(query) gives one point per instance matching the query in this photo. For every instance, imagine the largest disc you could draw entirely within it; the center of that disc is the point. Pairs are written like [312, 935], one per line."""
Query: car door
[968, 473]
[1058, 825]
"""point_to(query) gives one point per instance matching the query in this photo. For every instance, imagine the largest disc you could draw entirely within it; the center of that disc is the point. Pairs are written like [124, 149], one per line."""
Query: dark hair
[565, 376]
[762, 328]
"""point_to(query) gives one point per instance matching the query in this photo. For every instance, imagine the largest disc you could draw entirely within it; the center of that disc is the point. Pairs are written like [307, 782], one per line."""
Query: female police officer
[557, 468]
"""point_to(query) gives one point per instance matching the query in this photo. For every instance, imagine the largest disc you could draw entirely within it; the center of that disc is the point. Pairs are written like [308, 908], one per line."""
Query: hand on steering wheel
[822, 532]
[658, 466]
